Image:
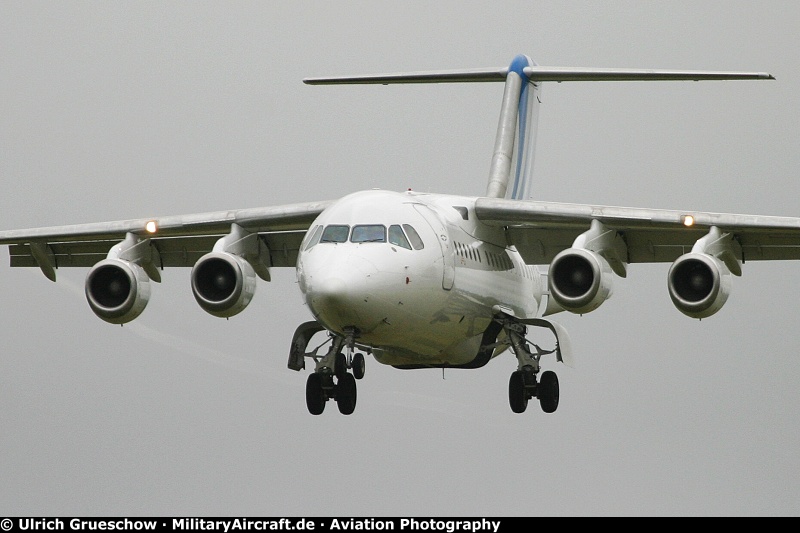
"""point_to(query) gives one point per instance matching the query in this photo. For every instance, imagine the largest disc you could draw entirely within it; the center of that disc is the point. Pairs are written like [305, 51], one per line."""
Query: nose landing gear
[331, 379]
[320, 388]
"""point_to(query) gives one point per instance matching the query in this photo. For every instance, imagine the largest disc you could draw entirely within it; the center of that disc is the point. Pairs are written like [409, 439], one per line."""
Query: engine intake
[223, 283]
[117, 290]
[579, 280]
[699, 284]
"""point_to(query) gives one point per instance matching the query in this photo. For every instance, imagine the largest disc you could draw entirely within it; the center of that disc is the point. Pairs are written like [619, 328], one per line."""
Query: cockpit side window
[314, 239]
[335, 233]
[369, 233]
[413, 236]
[397, 237]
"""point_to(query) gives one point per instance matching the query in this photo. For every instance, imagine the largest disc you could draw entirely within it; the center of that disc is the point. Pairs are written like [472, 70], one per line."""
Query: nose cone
[344, 288]
[329, 292]
[338, 293]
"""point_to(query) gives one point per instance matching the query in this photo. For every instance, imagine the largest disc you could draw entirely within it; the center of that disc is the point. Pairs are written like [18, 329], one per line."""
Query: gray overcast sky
[113, 110]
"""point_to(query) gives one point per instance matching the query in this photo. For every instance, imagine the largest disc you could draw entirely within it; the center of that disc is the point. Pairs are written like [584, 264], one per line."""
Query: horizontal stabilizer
[536, 73]
[440, 76]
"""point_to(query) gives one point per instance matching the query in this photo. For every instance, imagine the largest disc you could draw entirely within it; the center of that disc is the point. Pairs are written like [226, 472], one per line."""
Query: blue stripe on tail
[527, 122]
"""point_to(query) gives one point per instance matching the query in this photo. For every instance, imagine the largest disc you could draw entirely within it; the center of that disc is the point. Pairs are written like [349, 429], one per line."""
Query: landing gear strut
[331, 379]
[523, 384]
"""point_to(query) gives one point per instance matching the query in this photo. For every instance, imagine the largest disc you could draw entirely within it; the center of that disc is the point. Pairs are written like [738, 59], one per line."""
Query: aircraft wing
[540, 230]
[180, 240]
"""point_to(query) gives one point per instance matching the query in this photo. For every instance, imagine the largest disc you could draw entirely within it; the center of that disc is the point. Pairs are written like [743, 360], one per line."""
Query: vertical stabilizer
[515, 143]
[527, 127]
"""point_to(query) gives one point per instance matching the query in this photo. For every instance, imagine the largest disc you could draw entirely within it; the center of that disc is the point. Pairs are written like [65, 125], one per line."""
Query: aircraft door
[446, 247]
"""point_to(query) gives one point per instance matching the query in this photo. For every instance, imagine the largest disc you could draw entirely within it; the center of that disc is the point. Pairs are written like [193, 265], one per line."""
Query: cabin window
[369, 233]
[413, 236]
[397, 237]
[315, 236]
[335, 233]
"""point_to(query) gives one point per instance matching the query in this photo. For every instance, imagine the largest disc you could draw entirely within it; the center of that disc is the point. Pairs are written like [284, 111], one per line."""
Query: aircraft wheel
[340, 365]
[517, 396]
[359, 365]
[346, 394]
[548, 392]
[315, 395]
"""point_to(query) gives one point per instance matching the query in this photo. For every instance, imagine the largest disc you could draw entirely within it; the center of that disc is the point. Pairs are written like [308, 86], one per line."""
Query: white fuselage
[413, 304]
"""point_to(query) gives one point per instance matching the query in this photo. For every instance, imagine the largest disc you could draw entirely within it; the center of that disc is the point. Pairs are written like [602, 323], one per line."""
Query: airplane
[422, 280]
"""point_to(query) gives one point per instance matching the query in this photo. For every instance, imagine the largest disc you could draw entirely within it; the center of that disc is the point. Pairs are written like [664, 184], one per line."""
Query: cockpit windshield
[414, 237]
[334, 233]
[397, 237]
[368, 233]
[404, 236]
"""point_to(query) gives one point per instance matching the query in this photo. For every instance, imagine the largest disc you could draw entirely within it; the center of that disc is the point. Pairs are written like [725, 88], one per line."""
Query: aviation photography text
[229, 525]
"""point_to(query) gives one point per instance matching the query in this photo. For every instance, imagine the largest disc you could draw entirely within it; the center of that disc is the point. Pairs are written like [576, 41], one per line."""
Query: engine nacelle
[117, 290]
[580, 280]
[699, 284]
[223, 283]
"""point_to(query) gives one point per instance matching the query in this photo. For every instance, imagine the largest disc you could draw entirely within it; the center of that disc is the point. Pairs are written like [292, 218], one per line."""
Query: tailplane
[515, 142]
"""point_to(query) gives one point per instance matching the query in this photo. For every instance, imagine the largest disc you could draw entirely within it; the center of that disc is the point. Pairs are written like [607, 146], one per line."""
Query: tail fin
[516, 132]
[527, 127]
[515, 143]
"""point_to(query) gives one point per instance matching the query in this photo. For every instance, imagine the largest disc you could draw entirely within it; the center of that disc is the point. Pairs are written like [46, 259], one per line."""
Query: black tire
[315, 395]
[359, 365]
[340, 365]
[517, 397]
[548, 392]
[346, 394]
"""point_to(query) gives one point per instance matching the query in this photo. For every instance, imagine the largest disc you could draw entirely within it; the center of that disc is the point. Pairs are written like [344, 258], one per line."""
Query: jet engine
[117, 290]
[223, 283]
[699, 284]
[580, 280]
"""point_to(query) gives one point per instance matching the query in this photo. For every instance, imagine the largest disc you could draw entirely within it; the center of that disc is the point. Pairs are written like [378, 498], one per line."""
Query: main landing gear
[523, 385]
[331, 379]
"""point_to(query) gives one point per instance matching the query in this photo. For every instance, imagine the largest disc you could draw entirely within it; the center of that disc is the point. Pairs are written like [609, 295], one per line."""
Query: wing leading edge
[540, 230]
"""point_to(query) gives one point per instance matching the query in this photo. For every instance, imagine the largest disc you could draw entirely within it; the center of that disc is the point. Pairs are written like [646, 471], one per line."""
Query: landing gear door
[448, 257]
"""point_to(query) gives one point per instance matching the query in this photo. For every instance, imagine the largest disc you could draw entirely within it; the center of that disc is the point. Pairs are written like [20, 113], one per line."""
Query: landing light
[151, 226]
[688, 221]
